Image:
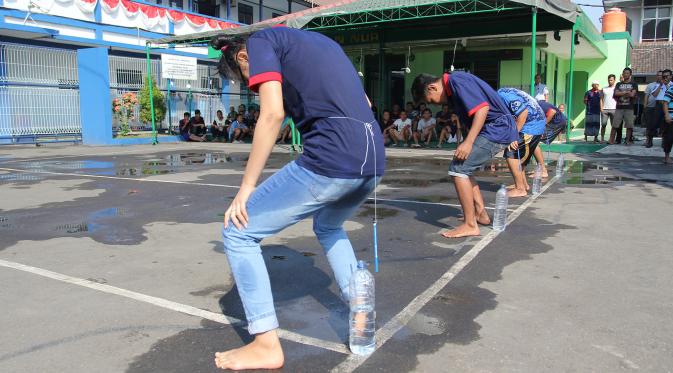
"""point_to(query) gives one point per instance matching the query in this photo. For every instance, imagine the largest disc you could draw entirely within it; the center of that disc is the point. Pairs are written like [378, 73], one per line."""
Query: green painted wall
[430, 62]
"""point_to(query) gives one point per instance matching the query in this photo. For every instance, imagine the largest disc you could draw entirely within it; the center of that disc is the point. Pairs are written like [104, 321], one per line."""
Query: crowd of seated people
[237, 127]
[415, 126]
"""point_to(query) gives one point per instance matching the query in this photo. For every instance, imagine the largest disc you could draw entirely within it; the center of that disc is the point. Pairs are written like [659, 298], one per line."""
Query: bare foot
[463, 230]
[517, 193]
[668, 161]
[264, 352]
[544, 175]
[482, 218]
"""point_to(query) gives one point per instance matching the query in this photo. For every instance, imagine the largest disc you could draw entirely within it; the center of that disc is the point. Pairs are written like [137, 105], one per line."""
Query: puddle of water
[92, 222]
[279, 257]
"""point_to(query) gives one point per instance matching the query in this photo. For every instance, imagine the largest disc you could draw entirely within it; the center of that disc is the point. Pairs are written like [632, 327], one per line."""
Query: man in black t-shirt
[625, 94]
[198, 124]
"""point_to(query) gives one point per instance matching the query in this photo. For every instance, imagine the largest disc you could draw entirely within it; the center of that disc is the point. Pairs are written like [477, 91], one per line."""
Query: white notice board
[178, 67]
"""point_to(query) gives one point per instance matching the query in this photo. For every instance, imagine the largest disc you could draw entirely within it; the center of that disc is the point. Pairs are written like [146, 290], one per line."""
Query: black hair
[420, 86]
[186, 114]
[427, 110]
[403, 111]
[666, 71]
[612, 76]
[628, 69]
[197, 111]
[219, 111]
[229, 46]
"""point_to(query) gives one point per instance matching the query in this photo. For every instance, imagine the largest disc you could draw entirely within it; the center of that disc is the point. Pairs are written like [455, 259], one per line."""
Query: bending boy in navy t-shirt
[492, 129]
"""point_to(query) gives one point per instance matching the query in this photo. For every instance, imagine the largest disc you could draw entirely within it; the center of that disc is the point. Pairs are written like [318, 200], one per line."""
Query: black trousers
[667, 137]
[655, 120]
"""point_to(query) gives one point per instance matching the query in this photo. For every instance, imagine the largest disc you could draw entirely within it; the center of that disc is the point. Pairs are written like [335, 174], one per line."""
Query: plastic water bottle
[362, 338]
[559, 165]
[500, 215]
[537, 181]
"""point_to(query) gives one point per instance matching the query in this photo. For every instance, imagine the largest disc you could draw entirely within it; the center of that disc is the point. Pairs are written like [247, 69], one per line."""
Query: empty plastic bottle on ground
[559, 165]
[500, 215]
[537, 181]
[362, 339]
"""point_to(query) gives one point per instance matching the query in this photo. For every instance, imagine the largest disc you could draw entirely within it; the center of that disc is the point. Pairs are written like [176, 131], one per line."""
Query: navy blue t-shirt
[320, 85]
[558, 120]
[469, 94]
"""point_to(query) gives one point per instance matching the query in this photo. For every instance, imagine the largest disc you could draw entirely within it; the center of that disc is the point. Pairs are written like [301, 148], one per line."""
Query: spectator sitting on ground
[402, 130]
[443, 118]
[232, 114]
[185, 126]
[198, 124]
[387, 124]
[411, 112]
[395, 113]
[425, 129]
[219, 128]
[284, 133]
[252, 122]
[238, 130]
[452, 133]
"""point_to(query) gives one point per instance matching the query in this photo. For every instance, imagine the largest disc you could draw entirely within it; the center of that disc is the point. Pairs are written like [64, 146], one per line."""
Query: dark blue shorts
[483, 150]
[527, 145]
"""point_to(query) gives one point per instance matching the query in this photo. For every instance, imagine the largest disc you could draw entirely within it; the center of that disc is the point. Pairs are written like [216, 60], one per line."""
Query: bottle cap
[362, 264]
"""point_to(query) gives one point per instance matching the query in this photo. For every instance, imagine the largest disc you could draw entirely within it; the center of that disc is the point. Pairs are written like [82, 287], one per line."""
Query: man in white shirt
[655, 93]
[541, 91]
[401, 130]
[426, 129]
[609, 105]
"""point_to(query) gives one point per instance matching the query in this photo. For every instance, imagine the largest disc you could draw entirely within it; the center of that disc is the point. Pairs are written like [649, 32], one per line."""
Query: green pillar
[381, 100]
[149, 81]
[533, 56]
[571, 76]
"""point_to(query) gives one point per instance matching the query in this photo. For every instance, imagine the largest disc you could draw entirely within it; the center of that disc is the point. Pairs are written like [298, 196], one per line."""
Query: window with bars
[656, 25]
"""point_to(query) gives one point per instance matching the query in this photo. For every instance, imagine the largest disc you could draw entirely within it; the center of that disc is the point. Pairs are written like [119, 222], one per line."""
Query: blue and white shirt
[517, 101]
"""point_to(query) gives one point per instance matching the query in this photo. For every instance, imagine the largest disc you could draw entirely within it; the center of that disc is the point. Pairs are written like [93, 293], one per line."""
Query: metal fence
[128, 74]
[39, 93]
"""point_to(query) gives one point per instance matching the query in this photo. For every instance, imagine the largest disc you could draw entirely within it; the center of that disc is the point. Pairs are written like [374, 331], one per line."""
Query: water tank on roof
[614, 20]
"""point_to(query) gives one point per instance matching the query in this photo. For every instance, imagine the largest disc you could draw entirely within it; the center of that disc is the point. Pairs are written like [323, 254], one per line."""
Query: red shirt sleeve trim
[549, 111]
[476, 108]
[256, 80]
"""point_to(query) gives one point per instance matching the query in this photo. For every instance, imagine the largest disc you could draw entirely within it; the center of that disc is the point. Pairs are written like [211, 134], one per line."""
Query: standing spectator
[625, 94]
[185, 126]
[425, 129]
[219, 127]
[655, 121]
[402, 130]
[541, 91]
[651, 108]
[667, 135]
[609, 105]
[593, 100]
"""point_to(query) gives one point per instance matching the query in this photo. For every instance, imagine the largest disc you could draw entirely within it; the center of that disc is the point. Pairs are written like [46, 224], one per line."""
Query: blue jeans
[290, 195]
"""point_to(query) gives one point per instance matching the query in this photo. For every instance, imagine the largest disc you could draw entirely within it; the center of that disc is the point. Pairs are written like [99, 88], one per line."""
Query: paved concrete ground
[111, 260]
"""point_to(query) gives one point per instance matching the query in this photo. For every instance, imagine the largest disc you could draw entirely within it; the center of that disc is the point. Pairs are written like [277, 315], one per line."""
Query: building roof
[349, 13]
[648, 58]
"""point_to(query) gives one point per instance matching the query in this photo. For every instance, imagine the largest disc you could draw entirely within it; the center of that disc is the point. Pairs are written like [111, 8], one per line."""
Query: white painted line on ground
[424, 202]
[116, 178]
[170, 305]
[403, 317]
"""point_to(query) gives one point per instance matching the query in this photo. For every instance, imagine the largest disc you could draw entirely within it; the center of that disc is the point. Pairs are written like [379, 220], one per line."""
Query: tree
[145, 105]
